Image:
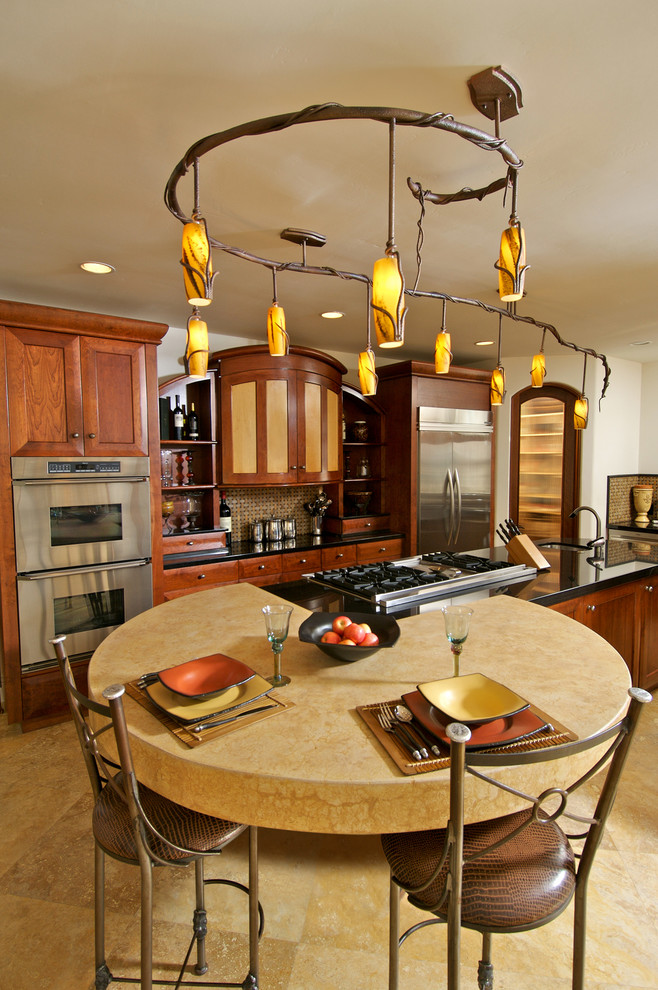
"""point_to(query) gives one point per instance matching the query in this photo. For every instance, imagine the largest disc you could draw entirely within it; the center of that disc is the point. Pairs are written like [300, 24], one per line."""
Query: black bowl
[317, 624]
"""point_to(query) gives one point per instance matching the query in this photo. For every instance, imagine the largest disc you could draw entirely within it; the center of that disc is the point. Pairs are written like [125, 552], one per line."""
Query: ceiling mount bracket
[495, 93]
[303, 237]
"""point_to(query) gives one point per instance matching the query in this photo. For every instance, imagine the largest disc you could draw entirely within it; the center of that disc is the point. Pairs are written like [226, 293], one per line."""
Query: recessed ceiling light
[332, 315]
[640, 343]
[484, 343]
[97, 267]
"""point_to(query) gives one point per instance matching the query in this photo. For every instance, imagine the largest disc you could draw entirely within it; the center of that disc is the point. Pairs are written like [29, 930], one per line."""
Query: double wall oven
[83, 549]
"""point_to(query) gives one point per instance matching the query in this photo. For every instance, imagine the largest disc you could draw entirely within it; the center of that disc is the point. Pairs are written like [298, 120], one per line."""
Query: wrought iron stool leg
[103, 975]
[146, 866]
[255, 929]
[395, 895]
[200, 921]
[485, 967]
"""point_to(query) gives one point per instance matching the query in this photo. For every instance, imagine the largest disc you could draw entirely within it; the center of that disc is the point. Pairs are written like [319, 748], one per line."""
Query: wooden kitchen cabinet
[627, 617]
[75, 396]
[368, 553]
[647, 615]
[77, 385]
[281, 418]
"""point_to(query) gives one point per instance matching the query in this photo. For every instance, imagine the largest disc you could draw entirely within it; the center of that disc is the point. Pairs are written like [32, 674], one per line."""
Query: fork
[395, 721]
[388, 726]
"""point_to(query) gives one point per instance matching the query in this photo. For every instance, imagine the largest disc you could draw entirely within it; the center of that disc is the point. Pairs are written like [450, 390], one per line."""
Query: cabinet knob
[382, 549]
[293, 467]
[190, 543]
[92, 436]
[75, 435]
[339, 555]
[368, 524]
[261, 567]
[201, 577]
[302, 467]
[648, 587]
[591, 608]
[303, 560]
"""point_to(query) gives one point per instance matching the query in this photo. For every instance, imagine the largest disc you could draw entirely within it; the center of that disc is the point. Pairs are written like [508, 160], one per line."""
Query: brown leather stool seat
[523, 883]
[114, 831]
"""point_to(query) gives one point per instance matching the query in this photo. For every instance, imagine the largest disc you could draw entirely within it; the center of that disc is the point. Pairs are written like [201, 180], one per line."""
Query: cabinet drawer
[187, 542]
[359, 524]
[198, 576]
[378, 550]
[256, 567]
[338, 556]
[309, 560]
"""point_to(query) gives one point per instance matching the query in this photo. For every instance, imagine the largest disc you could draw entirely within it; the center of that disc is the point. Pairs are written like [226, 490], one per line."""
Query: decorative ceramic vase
[642, 499]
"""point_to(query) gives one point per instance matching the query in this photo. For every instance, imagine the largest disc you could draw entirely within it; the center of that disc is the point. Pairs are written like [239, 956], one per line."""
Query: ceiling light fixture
[277, 338]
[97, 267]
[368, 379]
[497, 95]
[538, 369]
[581, 405]
[332, 315]
[484, 343]
[196, 350]
[442, 352]
[497, 389]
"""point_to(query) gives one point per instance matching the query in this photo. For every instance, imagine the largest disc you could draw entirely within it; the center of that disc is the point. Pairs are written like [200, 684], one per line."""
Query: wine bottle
[225, 516]
[179, 420]
[192, 424]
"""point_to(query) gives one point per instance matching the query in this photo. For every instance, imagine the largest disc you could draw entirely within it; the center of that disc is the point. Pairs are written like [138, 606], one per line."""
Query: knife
[514, 529]
[504, 537]
[225, 721]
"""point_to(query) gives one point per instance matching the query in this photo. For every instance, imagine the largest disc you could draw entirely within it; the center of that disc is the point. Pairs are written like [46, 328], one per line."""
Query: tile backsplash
[249, 505]
[620, 496]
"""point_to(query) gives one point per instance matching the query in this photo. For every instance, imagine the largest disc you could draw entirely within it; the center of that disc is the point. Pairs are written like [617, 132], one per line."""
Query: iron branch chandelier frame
[392, 117]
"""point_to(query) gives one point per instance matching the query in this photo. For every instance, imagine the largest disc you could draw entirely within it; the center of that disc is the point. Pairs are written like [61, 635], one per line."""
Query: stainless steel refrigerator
[454, 478]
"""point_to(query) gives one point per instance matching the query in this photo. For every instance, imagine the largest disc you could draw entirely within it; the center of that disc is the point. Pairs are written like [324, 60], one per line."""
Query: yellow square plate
[187, 710]
[472, 698]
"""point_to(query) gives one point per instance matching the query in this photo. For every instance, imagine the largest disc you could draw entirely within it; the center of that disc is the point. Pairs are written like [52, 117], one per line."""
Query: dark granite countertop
[632, 527]
[245, 549]
[572, 573]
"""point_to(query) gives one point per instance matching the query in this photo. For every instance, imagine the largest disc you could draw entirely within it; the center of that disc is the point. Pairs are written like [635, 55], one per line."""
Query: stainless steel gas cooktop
[430, 576]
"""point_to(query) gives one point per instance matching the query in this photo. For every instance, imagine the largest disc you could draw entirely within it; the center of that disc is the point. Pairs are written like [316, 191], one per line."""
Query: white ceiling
[101, 100]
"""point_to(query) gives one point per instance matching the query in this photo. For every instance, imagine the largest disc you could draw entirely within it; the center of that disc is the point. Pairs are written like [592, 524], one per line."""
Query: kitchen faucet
[598, 540]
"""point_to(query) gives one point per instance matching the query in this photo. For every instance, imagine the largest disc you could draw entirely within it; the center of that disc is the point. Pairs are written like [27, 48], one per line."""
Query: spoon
[404, 715]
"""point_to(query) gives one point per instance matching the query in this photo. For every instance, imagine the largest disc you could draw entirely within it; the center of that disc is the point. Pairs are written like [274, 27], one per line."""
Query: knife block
[521, 550]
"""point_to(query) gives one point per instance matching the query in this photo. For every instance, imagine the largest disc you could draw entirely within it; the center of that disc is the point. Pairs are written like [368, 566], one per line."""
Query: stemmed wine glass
[457, 619]
[277, 619]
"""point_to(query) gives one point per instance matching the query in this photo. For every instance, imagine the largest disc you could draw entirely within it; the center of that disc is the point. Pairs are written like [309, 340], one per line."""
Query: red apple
[330, 637]
[347, 642]
[355, 631]
[370, 639]
[366, 628]
[340, 624]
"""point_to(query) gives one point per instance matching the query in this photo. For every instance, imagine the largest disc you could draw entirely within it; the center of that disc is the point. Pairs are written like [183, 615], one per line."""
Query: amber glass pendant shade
[511, 264]
[277, 338]
[197, 263]
[497, 389]
[388, 301]
[196, 350]
[538, 370]
[367, 375]
[442, 353]
[580, 412]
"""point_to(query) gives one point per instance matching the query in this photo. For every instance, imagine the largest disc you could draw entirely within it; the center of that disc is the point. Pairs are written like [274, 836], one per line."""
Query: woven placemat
[551, 737]
[192, 739]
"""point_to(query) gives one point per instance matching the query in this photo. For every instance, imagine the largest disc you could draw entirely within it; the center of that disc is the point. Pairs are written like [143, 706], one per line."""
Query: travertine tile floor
[325, 897]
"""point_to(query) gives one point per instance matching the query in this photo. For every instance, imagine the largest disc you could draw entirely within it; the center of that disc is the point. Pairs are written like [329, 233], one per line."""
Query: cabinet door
[647, 592]
[259, 429]
[611, 614]
[319, 430]
[114, 397]
[44, 395]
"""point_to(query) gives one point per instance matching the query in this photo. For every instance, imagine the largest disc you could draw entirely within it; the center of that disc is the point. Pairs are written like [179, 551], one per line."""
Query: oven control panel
[84, 467]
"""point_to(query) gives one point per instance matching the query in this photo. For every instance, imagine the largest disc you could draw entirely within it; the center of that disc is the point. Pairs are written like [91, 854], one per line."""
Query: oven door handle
[76, 480]
[91, 569]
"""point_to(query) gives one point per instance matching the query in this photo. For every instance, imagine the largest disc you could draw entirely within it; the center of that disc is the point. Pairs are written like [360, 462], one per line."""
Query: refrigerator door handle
[458, 491]
[451, 485]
